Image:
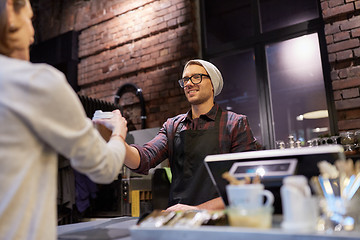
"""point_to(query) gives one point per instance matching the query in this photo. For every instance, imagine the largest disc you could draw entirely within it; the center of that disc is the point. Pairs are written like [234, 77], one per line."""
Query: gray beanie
[214, 73]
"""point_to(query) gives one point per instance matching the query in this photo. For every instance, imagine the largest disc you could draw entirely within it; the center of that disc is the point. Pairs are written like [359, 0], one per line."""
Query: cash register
[271, 165]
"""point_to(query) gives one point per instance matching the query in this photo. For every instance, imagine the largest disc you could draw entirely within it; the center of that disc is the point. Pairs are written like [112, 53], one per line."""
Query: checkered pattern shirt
[235, 135]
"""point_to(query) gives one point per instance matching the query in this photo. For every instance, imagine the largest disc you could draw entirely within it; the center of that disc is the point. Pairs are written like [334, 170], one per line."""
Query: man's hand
[117, 124]
[213, 204]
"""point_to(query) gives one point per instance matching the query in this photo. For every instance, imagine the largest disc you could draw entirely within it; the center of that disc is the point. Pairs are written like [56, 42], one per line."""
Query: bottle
[300, 209]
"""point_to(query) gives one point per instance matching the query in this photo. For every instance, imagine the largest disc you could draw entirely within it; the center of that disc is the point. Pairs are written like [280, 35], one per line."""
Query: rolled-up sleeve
[62, 124]
[242, 138]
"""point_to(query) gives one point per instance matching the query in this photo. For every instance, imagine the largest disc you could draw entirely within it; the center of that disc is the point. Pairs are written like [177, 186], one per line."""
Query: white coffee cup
[104, 131]
[249, 196]
[98, 114]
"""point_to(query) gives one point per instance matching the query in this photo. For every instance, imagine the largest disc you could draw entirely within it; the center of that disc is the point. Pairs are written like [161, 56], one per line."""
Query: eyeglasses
[195, 79]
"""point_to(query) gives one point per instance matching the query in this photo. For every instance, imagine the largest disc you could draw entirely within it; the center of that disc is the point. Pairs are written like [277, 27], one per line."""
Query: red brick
[324, 5]
[342, 9]
[347, 104]
[341, 36]
[350, 72]
[334, 3]
[348, 44]
[354, 71]
[332, 57]
[165, 4]
[335, 75]
[337, 95]
[349, 114]
[181, 5]
[164, 52]
[332, 28]
[171, 23]
[343, 73]
[357, 5]
[344, 55]
[329, 39]
[350, 93]
[349, 124]
[357, 52]
[346, 83]
[353, 22]
[355, 32]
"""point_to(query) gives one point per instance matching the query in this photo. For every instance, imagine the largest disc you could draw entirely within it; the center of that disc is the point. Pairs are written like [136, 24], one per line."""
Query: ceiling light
[323, 129]
[313, 115]
[316, 114]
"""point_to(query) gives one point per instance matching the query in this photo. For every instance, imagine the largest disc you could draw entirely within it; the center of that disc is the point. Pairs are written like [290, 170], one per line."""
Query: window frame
[258, 43]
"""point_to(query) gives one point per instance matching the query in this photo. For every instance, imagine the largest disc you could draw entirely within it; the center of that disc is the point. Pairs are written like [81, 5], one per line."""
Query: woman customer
[40, 116]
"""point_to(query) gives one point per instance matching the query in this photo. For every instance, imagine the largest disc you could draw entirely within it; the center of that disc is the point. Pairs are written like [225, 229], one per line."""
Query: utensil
[349, 167]
[357, 166]
[347, 183]
[315, 186]
[354, 187]
[326, 188]
[327, 170]
[335, 186]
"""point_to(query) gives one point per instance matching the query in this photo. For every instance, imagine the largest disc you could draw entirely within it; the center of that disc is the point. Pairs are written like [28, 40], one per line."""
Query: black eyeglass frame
[186, 79]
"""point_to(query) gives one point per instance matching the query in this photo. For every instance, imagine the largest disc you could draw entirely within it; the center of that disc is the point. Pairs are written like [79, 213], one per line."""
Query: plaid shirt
[235, 135]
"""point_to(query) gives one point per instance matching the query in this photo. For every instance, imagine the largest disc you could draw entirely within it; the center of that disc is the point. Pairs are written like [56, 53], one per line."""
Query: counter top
[124, 228]
[233, 233]
[109, 228]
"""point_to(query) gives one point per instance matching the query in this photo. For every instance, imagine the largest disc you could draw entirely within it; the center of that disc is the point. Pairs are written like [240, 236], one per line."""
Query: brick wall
[141, 42]
[342, 30]
[147, 42]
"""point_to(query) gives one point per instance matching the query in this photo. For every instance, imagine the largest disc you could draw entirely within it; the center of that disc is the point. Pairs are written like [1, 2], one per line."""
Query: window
[271, 54]
[297, 88]
[282, 13]
[239, 94]
[220, 20]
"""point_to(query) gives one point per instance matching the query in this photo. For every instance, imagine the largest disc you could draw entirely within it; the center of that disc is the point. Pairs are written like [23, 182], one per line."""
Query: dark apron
[191, 183]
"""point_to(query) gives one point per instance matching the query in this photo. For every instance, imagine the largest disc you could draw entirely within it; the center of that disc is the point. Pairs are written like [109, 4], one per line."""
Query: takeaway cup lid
[100, 114]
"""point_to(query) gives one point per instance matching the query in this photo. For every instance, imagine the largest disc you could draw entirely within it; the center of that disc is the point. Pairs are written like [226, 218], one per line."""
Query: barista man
[187, 139]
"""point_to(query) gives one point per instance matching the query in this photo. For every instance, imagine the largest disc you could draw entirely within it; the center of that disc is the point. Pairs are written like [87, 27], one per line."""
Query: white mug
[249, 196]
